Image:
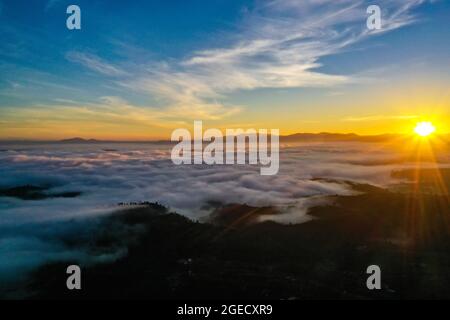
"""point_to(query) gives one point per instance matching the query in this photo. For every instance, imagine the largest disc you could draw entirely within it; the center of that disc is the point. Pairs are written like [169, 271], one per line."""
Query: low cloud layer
[107, 174]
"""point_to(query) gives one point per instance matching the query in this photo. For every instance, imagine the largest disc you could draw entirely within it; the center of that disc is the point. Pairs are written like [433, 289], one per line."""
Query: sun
[424, 128]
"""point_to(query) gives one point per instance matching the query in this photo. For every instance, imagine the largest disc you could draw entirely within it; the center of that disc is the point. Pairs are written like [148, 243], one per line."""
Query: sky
[138, 70]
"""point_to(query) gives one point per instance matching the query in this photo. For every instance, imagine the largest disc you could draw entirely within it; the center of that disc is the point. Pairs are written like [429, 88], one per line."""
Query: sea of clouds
[107, 174]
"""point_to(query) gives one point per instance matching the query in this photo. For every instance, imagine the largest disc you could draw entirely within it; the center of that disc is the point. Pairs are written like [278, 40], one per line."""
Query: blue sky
[301, 64]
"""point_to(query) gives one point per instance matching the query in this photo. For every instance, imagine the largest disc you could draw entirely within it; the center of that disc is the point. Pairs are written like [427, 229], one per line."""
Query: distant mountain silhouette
[296, 137]
[79, 140]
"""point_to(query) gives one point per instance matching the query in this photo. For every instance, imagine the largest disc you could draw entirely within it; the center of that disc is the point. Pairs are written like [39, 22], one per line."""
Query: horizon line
[150, 140]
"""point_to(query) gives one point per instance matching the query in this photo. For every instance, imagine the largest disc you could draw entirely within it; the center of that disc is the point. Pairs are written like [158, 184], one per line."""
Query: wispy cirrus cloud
[51, 3]
[380, 117]
[109, 117]
[279, 45]
[95, 63]
[283, 41]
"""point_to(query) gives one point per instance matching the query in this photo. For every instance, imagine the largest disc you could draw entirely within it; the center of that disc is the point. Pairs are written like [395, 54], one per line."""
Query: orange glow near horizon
[125, 123]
